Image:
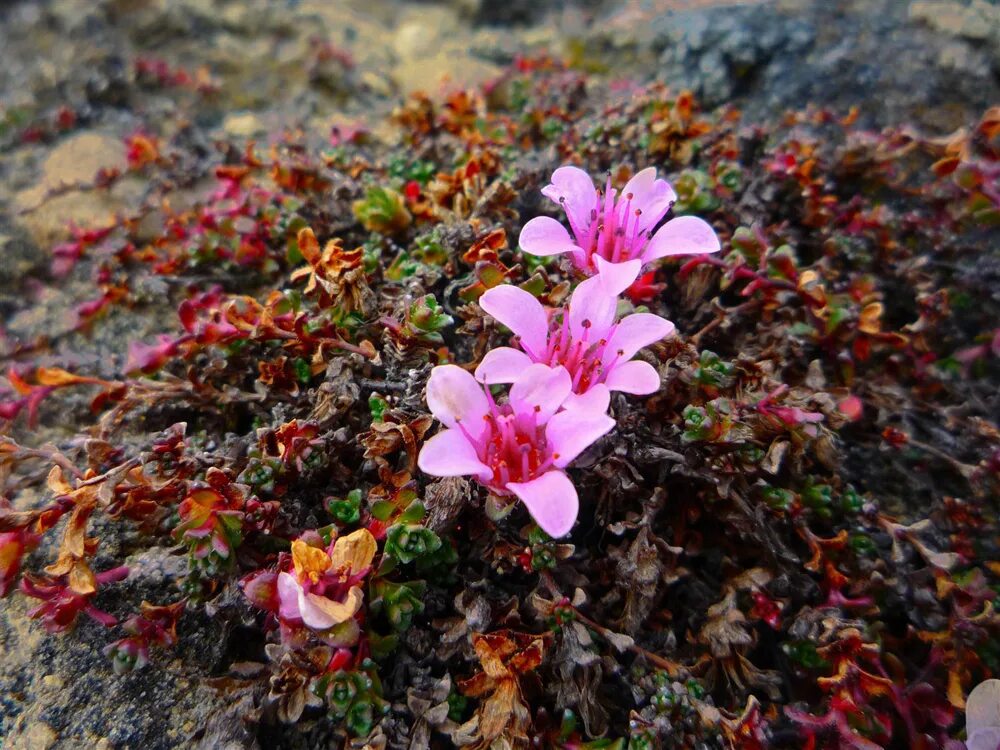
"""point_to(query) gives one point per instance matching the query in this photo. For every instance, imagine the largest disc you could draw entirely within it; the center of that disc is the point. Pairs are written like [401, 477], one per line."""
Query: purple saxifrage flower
[323, 589]
[615, 231]
[518, 448]
[584, 339]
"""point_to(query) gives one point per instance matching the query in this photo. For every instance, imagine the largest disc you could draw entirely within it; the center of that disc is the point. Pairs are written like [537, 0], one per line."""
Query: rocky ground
[87, 88]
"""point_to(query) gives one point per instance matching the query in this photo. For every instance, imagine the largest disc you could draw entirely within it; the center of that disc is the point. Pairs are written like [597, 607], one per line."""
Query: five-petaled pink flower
[584, 339]
[617, 232]
[517, 448]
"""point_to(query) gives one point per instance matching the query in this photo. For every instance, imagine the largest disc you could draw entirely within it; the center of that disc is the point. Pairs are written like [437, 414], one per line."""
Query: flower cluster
[563, 363]
[806, 399]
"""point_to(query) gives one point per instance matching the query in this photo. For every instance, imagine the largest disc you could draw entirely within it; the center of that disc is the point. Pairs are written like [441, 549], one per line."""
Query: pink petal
[541, 389]
[652, 196]
[551, 500]
[987, 738]
[573, 189]
[597, 398]
[591, 308]
[320, 613]
[313, 616]
[685, 235]
[454, 396]
[635, 377]
[634, 332]
[521, 312]
[617, 277]
[571, 432]
[502, 365]
[982, 708]
[544, 235]
[288, 597]
[450, 454]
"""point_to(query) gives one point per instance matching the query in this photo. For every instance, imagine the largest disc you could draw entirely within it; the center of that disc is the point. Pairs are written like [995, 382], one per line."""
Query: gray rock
[768, 57]
[59, 690]
[718, 53]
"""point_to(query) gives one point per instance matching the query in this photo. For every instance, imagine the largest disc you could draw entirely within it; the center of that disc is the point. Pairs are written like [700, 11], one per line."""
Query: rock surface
[933, 62]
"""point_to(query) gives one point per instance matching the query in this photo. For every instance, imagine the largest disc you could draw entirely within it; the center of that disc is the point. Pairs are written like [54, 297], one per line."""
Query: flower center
[613, 231]
[582, 358]
[514, 446]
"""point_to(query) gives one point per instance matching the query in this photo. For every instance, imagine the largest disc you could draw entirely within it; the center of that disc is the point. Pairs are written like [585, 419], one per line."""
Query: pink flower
[982, 716]
[596, 351]
[619, 232]
[518, 448]
[323, 590]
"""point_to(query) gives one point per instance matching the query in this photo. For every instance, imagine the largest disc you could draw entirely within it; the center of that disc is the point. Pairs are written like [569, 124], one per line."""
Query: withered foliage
[502, 719]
